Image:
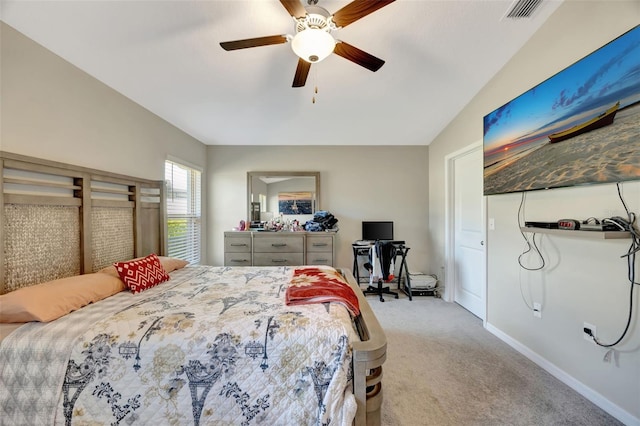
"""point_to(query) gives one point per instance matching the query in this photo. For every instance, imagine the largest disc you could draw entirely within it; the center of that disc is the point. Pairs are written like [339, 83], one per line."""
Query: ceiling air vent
[522, 9]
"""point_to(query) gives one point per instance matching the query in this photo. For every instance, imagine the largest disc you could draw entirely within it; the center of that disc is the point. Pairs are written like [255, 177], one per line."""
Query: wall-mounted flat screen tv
[379, 230]
[580, 126]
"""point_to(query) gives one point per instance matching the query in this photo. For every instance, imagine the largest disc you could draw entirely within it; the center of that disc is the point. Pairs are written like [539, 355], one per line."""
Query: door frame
[449, 227]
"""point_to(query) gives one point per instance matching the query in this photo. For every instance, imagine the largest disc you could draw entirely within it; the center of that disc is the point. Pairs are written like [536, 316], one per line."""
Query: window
[183, 211]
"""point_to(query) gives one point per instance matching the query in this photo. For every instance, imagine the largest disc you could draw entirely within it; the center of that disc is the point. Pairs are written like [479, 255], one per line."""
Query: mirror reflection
[291, 195]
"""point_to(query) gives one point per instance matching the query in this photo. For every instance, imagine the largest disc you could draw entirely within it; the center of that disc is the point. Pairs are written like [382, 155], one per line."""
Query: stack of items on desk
[422, 284]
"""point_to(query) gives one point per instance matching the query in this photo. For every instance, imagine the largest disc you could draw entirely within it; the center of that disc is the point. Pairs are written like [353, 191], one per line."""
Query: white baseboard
[593, 396]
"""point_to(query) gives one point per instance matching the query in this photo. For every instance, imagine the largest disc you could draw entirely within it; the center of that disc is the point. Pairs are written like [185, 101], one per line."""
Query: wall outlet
[585, 335]
[537, 310]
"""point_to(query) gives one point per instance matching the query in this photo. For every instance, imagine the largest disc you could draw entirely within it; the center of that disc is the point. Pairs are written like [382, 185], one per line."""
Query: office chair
[382, 256]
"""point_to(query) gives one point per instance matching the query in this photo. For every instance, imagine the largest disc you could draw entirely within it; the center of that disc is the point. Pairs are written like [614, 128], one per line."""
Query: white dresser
[253, 248]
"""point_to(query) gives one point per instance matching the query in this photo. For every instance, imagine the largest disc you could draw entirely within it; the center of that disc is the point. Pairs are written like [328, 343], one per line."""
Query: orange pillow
[53, 299]
[142, 274]
[169, 264]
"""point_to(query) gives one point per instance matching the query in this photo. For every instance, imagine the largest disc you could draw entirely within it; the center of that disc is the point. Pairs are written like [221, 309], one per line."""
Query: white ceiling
[165, 55]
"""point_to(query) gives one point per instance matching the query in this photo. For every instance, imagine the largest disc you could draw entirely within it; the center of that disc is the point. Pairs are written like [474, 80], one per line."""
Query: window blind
[183, 211]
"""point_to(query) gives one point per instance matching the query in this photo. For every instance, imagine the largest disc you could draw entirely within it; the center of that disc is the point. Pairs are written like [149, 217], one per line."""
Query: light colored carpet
[443, 368]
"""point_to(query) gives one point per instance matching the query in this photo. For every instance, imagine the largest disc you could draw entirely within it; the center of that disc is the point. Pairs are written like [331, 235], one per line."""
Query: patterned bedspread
[214, 345]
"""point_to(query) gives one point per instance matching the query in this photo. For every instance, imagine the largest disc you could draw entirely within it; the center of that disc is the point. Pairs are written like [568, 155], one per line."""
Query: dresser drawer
[279, 245]
[319, 243]
[237, 244]
[237, 259]
[320, 258]
[278, 259]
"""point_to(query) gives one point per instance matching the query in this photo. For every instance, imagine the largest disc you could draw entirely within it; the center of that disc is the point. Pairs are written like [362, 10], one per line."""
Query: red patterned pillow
[142, 274]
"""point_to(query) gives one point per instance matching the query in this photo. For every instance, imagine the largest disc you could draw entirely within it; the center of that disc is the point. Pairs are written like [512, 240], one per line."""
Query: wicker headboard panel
[60, 220]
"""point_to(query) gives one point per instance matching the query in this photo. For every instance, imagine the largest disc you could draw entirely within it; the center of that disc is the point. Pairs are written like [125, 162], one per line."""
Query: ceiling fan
[313, 41]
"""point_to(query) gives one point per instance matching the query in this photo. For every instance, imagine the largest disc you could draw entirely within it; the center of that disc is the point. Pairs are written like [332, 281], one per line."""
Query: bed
[210, 345]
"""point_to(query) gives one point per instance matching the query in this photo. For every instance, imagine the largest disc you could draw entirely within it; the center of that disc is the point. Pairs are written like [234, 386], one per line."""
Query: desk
[362, 248]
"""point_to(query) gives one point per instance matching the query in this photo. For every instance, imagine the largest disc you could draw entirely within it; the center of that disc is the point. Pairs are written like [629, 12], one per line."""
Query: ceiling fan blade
[294, 7]
[358, 56]
[357, 9]
[253, 42]
[302, 71]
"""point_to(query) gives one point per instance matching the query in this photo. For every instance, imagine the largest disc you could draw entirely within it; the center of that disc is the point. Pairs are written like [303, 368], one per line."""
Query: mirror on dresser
[295, 195]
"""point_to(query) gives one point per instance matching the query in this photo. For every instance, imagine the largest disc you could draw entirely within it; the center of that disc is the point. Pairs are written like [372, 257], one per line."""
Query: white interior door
[468, 263]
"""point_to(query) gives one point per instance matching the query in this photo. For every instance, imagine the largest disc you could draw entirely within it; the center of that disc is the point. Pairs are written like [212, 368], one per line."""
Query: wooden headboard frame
[60, 220]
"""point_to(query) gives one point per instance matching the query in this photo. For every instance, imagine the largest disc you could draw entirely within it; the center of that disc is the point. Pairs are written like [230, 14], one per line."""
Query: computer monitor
[377, 230]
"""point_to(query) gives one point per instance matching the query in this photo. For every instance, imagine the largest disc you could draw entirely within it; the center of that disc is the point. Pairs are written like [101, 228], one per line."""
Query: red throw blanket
[321, 285]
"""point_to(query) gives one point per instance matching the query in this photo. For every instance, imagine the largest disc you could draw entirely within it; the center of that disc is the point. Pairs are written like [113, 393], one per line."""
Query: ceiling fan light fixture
[313, 44]
[313, 41]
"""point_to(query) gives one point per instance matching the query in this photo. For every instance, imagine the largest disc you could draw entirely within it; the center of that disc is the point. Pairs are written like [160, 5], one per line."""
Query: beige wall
[51, 109]
[357, 183]
[584, 281]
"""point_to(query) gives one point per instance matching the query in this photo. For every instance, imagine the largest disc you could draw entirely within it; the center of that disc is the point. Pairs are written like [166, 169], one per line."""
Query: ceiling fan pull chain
[315, 80]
